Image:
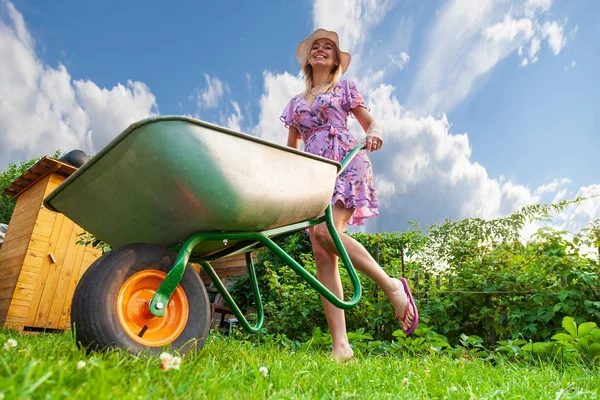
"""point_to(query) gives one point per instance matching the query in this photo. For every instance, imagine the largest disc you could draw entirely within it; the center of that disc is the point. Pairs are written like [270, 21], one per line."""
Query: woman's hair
[334, 76]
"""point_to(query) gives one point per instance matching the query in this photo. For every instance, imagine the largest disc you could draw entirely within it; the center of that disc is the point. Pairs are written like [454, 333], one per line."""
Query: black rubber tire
[94, 317]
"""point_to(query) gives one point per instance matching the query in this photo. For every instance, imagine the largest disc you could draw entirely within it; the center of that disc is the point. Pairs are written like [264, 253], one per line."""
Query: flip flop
[411, 302]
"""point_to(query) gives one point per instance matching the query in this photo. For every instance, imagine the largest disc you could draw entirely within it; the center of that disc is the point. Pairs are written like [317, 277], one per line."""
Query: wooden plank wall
[51, 303]
[44, 288]
[21, 255]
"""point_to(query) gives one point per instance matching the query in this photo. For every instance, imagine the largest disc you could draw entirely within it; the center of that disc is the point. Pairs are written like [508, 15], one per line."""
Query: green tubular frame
[173, 278]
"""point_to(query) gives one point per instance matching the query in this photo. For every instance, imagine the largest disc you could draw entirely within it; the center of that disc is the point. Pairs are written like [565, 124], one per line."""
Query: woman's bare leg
[328, 275]
[362, 261]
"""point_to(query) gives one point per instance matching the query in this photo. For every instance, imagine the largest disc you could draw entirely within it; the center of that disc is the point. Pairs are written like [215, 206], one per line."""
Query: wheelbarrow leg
[229, 300]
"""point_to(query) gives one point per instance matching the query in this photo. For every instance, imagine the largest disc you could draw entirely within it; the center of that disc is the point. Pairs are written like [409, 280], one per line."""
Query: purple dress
[324, 129]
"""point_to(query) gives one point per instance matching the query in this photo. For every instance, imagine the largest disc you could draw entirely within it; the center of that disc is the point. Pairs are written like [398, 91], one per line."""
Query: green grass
[45, 367]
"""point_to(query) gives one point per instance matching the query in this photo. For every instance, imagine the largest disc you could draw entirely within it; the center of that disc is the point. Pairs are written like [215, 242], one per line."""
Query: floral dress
[324, 129]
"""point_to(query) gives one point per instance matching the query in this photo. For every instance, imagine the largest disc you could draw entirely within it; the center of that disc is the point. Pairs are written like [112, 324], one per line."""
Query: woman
[319, 118]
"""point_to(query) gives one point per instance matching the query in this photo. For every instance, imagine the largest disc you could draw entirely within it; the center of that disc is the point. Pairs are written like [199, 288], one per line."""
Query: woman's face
[323, 53]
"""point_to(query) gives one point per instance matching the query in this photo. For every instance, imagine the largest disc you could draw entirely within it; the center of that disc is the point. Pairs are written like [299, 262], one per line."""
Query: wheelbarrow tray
[167, 178]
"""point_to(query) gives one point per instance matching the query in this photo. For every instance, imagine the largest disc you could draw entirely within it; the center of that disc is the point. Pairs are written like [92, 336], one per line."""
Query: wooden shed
[40, 264]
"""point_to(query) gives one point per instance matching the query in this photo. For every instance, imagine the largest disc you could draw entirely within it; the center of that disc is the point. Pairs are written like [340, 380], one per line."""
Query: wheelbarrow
[172, 190]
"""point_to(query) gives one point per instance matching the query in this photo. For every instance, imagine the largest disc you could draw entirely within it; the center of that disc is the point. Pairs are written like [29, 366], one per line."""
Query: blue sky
[486, 105]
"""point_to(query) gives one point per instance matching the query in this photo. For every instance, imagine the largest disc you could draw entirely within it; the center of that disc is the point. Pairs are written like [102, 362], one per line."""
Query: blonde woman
[319, 117]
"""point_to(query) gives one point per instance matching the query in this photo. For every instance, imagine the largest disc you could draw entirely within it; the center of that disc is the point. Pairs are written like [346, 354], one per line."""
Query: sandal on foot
[411, 303]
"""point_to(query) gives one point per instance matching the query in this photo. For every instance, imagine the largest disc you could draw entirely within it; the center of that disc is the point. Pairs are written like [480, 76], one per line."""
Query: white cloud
[248, 81]
[553, 33]
[110, 111]
[578, 217]
[427, 172]
[370, 80]
[533, 7]
[573, 32]
[42, 109]
[534, 48]
[552, 186]
[571, 65]
[422, 166]
[401, 61]
[509, 29]
[560, 195]
[468, 39]
[351, 19]
[354, 21]
[278, 90]
[215, 89]
[574, 218]
[234, 121]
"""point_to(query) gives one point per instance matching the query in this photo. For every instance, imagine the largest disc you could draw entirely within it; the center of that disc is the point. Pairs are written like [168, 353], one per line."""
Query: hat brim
[304, 47]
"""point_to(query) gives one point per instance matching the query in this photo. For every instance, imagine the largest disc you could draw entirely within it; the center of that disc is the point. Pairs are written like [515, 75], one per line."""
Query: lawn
[48, 366]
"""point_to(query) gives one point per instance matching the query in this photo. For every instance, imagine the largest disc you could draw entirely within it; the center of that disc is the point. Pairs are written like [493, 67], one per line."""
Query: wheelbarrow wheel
[110, 304]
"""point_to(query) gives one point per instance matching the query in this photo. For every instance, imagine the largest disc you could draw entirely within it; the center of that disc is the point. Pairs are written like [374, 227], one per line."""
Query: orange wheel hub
[134, 314]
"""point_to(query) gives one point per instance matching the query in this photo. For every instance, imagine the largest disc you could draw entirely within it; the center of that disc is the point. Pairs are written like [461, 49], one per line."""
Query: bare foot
[342, 352]
[397, 296]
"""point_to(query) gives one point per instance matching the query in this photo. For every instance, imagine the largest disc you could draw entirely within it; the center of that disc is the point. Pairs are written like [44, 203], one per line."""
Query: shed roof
[36, 172]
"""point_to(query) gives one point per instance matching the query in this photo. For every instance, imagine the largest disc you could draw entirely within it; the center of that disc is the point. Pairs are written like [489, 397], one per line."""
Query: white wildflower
[263, 371]
[175, 362]
[167, 361]
[454, 388]
[10, 343]
[80, 364]
[404, 381]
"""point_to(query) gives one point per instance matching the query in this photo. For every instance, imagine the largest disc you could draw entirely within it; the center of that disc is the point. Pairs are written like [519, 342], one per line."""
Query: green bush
[490, 284]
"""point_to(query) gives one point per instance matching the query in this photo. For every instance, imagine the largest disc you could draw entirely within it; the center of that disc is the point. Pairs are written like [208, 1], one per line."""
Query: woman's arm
[363, 116]
[293, 138]
[365, 119]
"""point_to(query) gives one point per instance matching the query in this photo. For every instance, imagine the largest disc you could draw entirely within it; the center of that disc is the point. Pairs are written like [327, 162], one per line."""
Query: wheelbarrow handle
[351, 156]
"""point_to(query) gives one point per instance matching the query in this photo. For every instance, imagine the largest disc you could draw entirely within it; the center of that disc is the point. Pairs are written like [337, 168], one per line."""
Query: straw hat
[304, 48]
